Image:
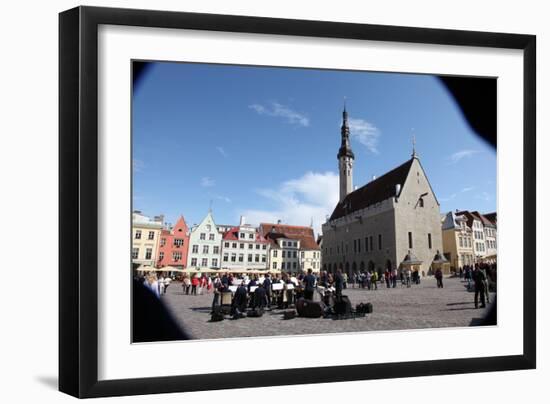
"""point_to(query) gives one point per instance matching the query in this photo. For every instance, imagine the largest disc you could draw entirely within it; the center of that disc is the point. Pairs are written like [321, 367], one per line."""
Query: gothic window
[430, 241]
[410, 240]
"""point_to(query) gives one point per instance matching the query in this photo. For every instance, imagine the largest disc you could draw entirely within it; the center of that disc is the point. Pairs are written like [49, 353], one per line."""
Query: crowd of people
[259, 290]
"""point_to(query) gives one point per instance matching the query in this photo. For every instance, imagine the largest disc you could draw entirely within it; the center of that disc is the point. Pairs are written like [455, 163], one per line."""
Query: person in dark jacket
[479, 287]
[238, 305]
[259, 298]
[309, 285]
[439, 278]
[267, 287]
[339, 282]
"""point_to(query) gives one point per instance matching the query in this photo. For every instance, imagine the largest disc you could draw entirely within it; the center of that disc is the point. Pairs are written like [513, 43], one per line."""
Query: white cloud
[461, 154]
[448, 198]
[223, 198]
[365, 133]
[298, 201]
[207, 182]
[467, 189]
[484, 196]
[221, 150]
[279, 110]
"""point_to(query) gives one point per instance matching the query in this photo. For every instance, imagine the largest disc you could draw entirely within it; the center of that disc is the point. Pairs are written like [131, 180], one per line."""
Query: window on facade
[366, 244]
[460, 241]
[251, 236]
[264, 247]
[178, 242]
[249, 257]
[242, 235]
[421, 203]
[241, 246]
[263, 258]
[358, 245]
[257, 246]
[284, 243]
[294, 265]
[274, 266]
[151, 235]
[370, 242]
[204, 262]
[176, 255]
[274, 253]
[205, 249]
[216, 249]
[211, 236]
[354, 246]
[138, 234]
[241, 257]
[161, 255]
[379, 241]
[225, 258]
[430, 241]
[294, 255]
[410, 240]
[233, 257]
[135, 253]
[214, 262]
[284, 254]
[226, 245]
[162, 242]
[195, 249]
[233, 245]
[193, 262]
[203, 236]
[302, 254]
[250, 246]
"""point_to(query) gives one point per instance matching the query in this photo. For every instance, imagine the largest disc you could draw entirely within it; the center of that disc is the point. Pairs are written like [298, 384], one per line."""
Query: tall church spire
[345, 158]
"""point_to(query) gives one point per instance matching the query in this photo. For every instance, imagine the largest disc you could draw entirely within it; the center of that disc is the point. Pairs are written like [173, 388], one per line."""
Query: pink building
[174, 245]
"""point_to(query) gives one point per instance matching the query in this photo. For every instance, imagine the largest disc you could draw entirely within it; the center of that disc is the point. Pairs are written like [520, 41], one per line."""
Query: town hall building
[391, 222]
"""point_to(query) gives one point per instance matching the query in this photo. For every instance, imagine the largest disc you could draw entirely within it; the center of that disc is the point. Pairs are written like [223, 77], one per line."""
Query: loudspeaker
[309, 308]
[342, 306]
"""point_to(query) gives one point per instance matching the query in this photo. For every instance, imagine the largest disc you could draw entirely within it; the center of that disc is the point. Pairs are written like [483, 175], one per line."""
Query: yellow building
[145, 238]
[458, 244]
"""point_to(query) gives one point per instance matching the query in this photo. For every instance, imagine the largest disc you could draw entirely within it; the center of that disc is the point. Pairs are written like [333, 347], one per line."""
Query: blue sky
[262, 142]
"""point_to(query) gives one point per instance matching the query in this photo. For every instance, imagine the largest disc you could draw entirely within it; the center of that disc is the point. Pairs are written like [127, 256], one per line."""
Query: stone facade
[376, 225]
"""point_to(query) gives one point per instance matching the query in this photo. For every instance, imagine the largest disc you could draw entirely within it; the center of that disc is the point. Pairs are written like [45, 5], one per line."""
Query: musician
[238, 305]
[339, 282]
[267, 287]
[259, 298]
[309, 285]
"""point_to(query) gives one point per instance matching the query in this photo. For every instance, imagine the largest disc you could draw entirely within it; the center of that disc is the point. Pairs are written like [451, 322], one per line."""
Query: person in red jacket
[194, 284]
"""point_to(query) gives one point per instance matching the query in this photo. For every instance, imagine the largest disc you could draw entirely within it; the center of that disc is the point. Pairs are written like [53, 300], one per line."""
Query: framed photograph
[354, 196]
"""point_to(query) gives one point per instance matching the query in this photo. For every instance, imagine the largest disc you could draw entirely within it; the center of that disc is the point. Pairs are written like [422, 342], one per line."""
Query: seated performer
[238, 305]
[259, 298]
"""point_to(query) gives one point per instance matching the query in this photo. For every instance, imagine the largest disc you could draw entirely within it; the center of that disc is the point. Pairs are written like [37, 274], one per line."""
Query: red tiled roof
[233, 235]
[304, 234]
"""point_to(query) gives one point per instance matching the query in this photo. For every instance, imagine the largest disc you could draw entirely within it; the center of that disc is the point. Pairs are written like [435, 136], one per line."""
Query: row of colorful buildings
[206, 246]
[469, 238]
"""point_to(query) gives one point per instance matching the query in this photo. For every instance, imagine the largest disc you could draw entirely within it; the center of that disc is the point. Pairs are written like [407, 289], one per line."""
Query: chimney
[242, 222]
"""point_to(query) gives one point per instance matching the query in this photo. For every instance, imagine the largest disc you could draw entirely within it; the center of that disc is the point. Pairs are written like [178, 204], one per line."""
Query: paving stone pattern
[400, 308]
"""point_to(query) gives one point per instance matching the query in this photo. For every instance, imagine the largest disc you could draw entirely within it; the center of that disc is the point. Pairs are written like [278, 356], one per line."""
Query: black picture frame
[78, 200]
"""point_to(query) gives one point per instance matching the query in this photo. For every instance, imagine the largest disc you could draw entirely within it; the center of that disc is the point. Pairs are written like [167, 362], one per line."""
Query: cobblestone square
[400, 308]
